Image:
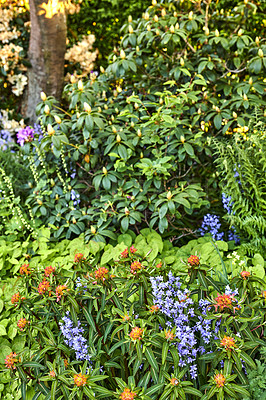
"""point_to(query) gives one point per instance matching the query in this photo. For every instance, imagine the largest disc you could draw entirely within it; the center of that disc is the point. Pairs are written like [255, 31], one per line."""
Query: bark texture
[46, 54]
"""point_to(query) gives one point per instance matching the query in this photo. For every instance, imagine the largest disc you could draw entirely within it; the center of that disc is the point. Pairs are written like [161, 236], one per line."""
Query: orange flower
[263, 293]
[225, 301]
[24, 269]
[65, 363]
[22, 322]
[174, 381]
[101, 274]
[126, 317]
[135, 266]
[132, 249]
[245, 274]
[159, 265]
[11, 360]
[79, 257]
[124, 254]
[15, 298]
[193, 261]
[219, 380]
[169, 335]
[154, 309]
[49, 270]
[128, 395]
[52, 374]
[80, 380]
[136, 333]
[228, 342]
[60, 291]
[44, 286]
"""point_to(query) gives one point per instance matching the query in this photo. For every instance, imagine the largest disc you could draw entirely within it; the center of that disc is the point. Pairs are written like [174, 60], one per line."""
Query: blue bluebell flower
[73, 337]
[211, 224]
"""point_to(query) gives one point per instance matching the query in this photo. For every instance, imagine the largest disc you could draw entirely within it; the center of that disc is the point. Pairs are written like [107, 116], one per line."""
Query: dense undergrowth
[133, 216]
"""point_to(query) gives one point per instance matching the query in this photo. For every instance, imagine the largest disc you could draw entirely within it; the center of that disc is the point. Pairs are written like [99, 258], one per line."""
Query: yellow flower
[122, 54]
[136, 333]
[80, 379]
[228, 342]
[128, 395]
[219, 380]
[43, 96]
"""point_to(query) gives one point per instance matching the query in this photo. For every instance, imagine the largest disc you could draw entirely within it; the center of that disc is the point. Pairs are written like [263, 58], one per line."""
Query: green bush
[137, 137]
[132, 344]
[132, 148]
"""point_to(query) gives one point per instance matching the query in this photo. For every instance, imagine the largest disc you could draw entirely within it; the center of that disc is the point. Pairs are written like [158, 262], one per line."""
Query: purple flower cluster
[204, 325]
[75, 197]
[211, 224]
[38, 131]
[230, 292]
[73, 338]
[232, 235]
[179, 309]
[227, 203]
[25, 135]
[5, 139]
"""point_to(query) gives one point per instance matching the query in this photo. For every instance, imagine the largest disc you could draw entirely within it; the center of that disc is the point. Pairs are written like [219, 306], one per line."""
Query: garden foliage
[132, 146]
[129, 325]
[96, 298]
[242, 165]
[158, 257]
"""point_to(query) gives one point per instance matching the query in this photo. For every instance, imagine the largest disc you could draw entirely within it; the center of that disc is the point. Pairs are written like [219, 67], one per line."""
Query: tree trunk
[46, 52]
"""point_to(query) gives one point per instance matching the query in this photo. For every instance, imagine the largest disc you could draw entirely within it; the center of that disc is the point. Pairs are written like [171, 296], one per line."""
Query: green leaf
[164, 352]
[171, 206]
[33, 364]
[189, 149]
[247, 359]
[89, 123]
[240, 389]
[73, 302]
[228, 367]
[36, 396]
[89, 393]
[211, 392]
[124, 224]
[56, 141]
[175, 356]
[217, 121]
[2, 330]
[154, 389]
[166, 393]
[89, 318]
[23, 387]
[192, 390]
[229, 391]
[53, 390]
[151, 359]
[163, 210]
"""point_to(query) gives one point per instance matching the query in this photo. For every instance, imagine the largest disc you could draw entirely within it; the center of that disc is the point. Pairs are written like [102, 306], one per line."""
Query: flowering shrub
[133, 142]
[136, 334]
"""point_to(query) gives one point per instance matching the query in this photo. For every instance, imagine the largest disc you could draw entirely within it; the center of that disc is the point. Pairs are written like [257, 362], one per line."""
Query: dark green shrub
[140, 131]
